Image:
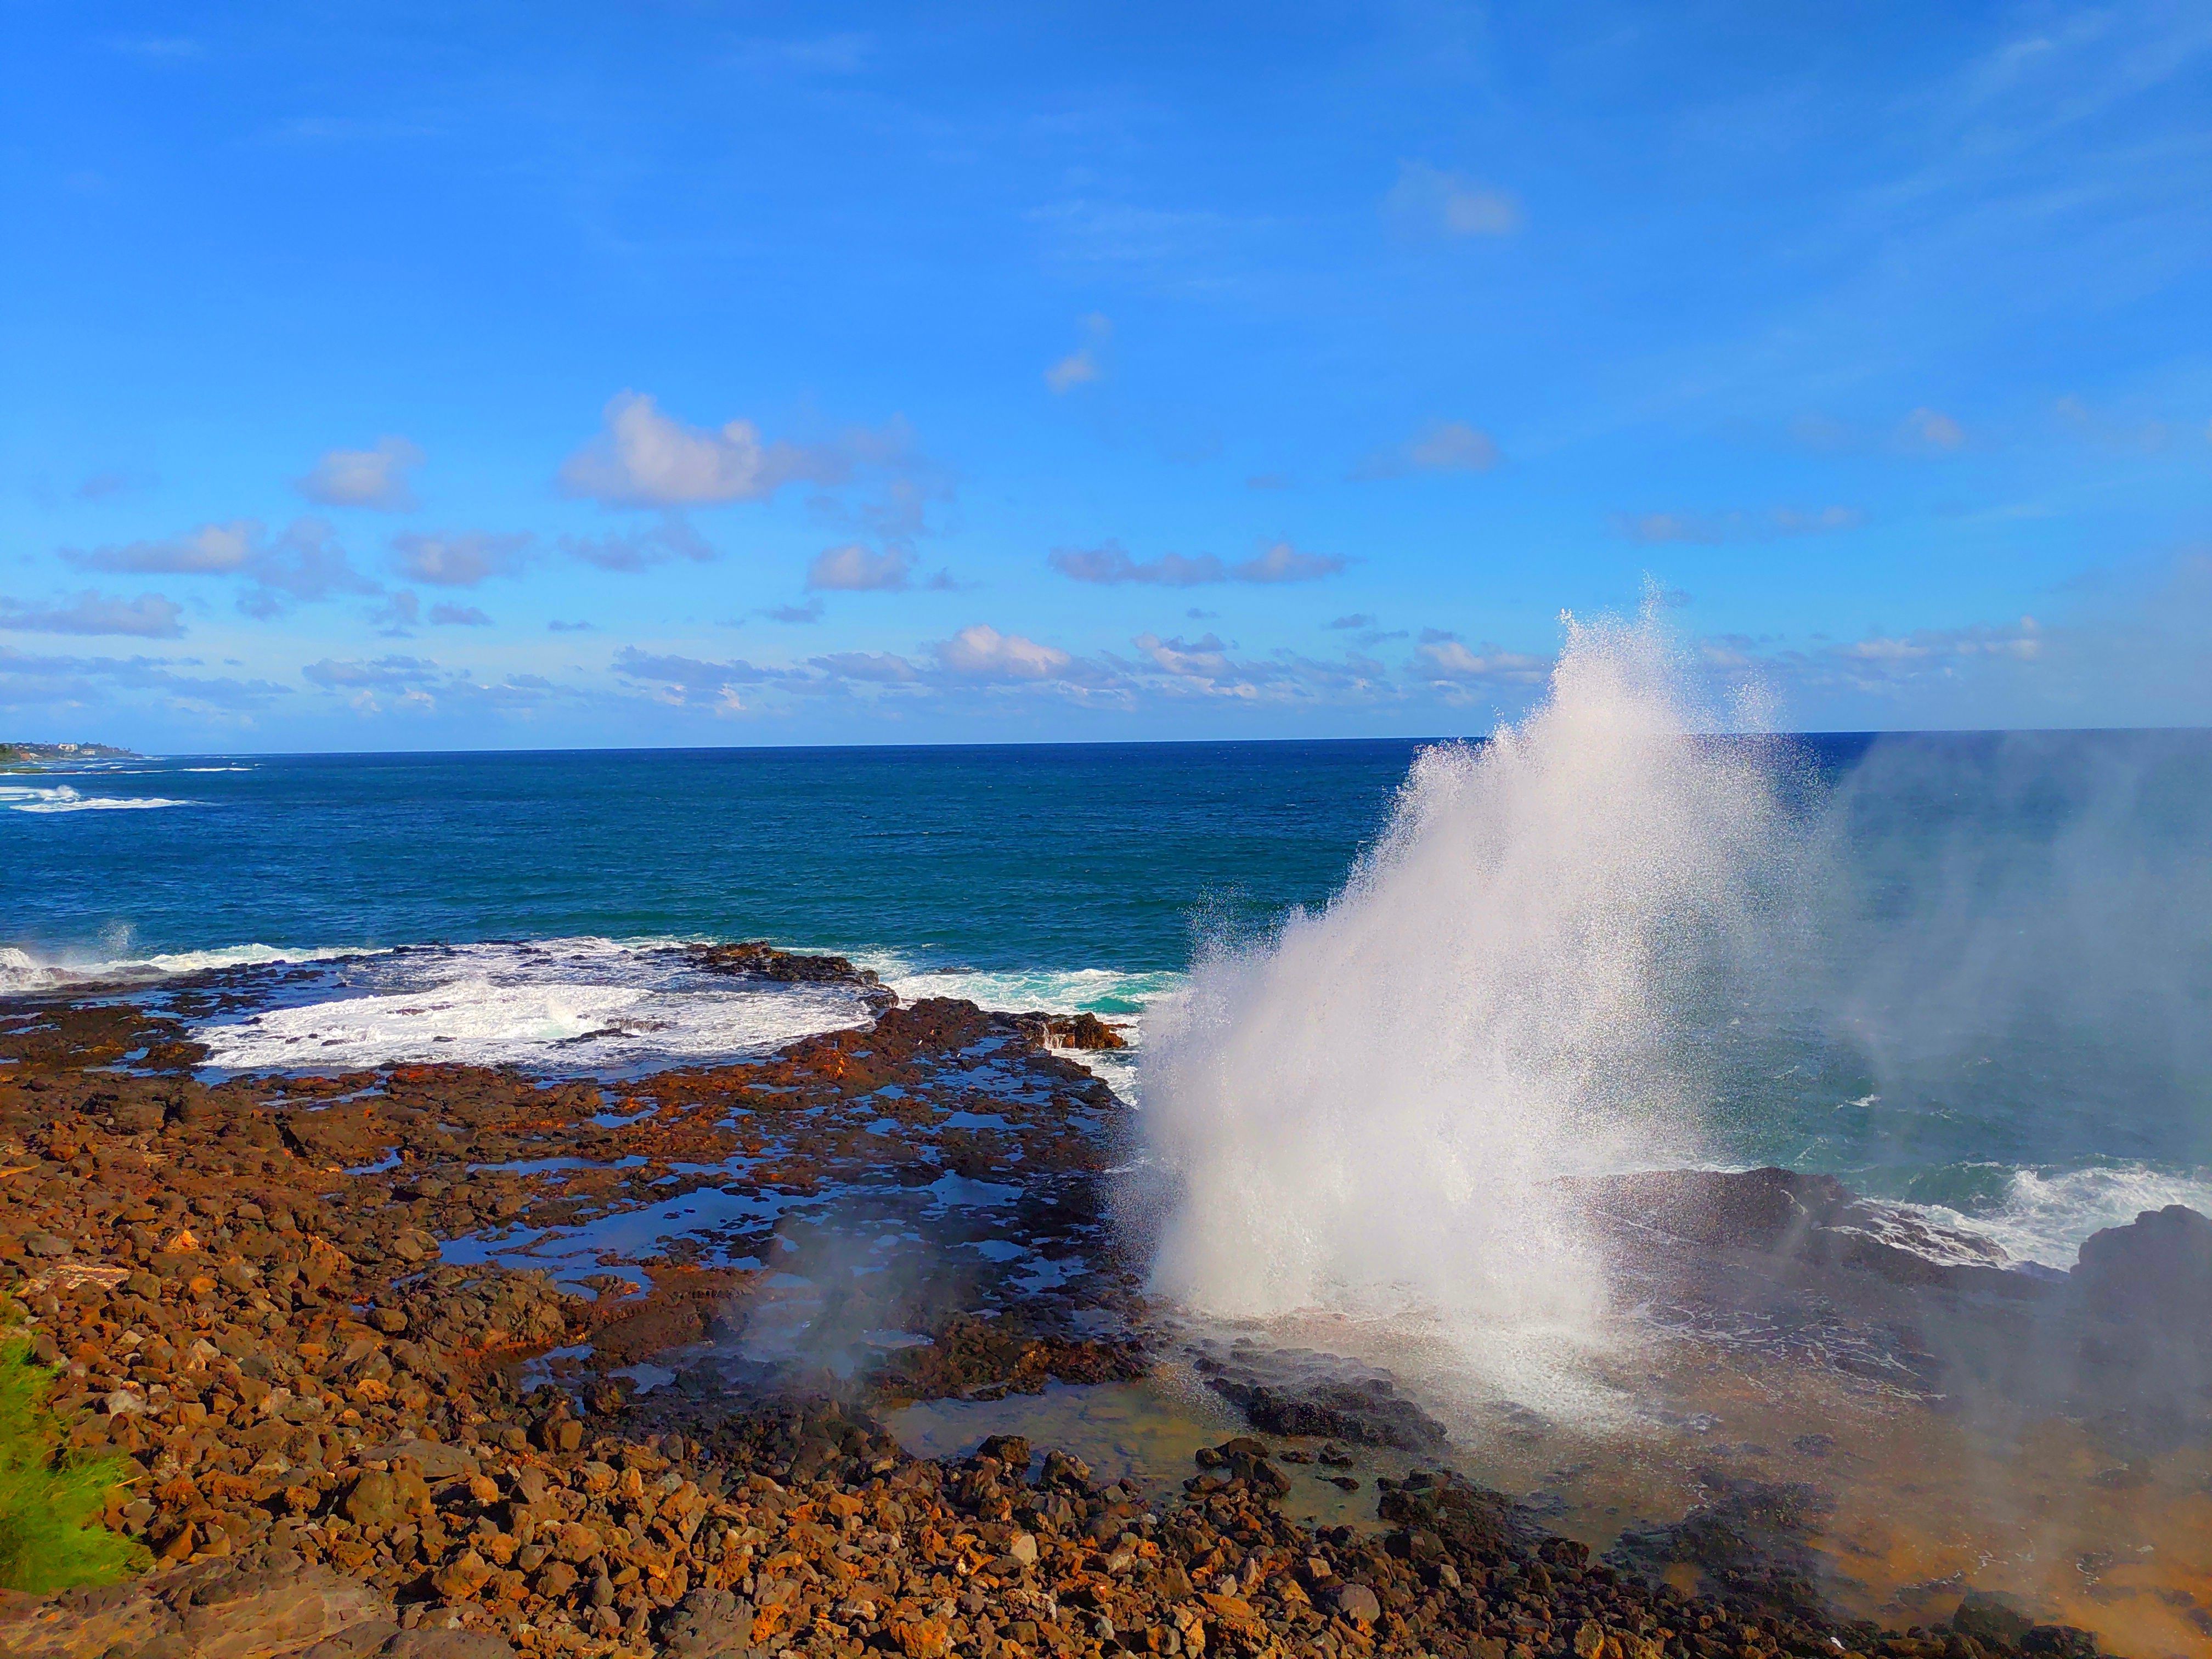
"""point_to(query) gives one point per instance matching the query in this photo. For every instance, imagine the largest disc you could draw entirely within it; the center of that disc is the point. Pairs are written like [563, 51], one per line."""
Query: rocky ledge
[338, 1443]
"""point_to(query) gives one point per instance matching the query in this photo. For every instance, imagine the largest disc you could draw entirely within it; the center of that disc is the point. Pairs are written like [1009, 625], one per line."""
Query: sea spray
[1366, 1115]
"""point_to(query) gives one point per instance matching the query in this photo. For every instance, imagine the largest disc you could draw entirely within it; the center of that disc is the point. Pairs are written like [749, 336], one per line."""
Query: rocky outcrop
[758, 959]
[1786, 1214]
[1084, 1031]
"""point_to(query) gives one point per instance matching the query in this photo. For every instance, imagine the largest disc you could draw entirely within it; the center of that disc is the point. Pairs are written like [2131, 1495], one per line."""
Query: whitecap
[22, 971]
[64, 798]
[2045, 1214]
[575, 1004]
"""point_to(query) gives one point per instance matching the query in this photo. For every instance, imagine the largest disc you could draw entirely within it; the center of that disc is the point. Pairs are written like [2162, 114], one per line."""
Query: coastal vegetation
[51, 1502]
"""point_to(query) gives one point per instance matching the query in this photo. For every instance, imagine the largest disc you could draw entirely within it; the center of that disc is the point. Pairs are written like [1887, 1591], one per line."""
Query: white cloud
[304, 563]
[1110, 565]
[148, 617]
[690, 680]
[1430, 201]
[856, 569]
[643, 458]
[458, 616]
[1448, 660]
[461, 560]
[383, 673]
[1083, 364]
[375, 477]
[879, 667]
[213, 548]
[2021, 642]
[982, 653]
[1282, 563]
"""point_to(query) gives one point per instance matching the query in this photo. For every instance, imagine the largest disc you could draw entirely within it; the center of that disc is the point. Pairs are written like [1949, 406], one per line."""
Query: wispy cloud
[1929, 429]
[2137, 433]
[1442, 657]
[1428, 201]
[1713, 528]
[844, 52]
[1445, 446]
[874, 668]
[1110, 564]
[1085, 363]
[303, 563]
[148, 617]
[691, 679]
[673, 538]
[858, 570]
[29, 681]
[380, 673]
[462, 560]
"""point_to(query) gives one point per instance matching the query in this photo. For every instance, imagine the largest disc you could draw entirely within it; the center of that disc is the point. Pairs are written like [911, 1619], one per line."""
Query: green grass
[50, 1504]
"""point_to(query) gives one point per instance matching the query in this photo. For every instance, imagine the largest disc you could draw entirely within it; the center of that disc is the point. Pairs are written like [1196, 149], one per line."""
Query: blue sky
[389, 376]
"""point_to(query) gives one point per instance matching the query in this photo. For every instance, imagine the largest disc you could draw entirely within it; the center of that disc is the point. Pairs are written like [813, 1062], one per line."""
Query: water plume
[1366, 1115]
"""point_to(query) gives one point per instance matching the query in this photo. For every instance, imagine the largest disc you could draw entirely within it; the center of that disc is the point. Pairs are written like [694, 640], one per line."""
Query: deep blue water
[1000, 857]
[1997, 996]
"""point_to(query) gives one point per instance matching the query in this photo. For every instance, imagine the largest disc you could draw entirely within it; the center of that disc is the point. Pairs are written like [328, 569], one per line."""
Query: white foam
[1119, 997]
[63, 799]
[579, 1005]
[2045, 1215]
[22, 971]
[1110, 993]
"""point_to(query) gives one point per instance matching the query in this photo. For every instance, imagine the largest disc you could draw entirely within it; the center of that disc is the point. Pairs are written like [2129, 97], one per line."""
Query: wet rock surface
[1300, 1393]
[373, 1345]
[1799, 1266]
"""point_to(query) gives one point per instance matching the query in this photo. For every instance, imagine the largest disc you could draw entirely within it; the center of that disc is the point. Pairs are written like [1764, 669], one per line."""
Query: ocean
[1981, 978]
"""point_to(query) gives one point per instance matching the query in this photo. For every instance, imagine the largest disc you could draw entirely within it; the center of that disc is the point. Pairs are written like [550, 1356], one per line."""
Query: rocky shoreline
[353, 1427]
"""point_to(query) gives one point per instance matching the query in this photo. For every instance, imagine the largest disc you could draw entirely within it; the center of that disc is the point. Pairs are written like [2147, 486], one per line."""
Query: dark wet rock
[758, 959]
[1788, 1215]
[2159, 1266]
[1991, 1619]
[1241, 1460]
[971, 1358]
[1318, 1395]
[1749, 1543]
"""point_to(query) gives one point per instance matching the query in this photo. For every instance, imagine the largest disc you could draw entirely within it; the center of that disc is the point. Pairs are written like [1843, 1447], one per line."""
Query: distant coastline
[19, 757]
